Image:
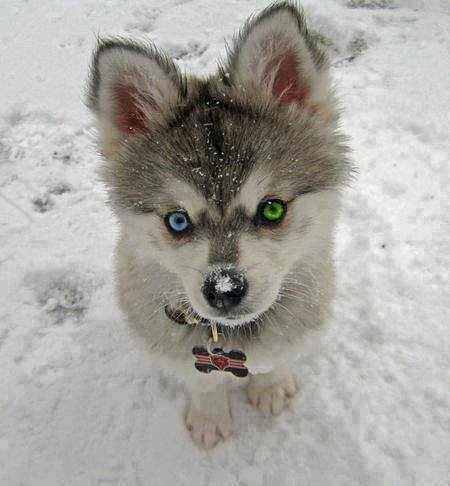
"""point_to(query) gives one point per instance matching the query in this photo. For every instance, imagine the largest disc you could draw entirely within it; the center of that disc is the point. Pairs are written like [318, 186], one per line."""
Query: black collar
[185, 315]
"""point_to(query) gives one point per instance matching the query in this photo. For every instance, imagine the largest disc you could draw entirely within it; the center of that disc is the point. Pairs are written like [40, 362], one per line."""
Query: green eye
[272, 211]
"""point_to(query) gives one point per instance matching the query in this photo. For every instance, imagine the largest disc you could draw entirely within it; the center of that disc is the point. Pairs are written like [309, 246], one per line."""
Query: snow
[82, 405]
[224, 284]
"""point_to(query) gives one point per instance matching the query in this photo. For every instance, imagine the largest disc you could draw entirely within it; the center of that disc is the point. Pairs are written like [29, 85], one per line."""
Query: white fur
[209, 415]
[151, 272]
[269, 391]
[151, 266]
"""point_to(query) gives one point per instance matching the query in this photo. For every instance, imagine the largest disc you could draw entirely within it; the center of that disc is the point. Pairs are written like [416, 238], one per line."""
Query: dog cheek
[265, 261]
[189, 262]
[266, 253]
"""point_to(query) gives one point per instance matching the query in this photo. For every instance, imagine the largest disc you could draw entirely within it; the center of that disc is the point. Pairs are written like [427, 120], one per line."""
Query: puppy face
[228, 182]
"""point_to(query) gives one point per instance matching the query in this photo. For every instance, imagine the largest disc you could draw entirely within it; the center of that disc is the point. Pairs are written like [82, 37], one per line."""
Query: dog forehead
[214, 153]
[220, 171]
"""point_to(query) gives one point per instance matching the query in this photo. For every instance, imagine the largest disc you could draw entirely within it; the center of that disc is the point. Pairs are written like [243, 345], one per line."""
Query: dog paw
[207, 430]
[271, 398]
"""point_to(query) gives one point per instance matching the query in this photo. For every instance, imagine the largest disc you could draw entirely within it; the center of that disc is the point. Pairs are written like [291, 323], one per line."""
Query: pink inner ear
[286, 87]
[129, 118]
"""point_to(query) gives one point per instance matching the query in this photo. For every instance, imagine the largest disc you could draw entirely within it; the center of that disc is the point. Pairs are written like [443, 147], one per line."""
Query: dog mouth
[186, 314]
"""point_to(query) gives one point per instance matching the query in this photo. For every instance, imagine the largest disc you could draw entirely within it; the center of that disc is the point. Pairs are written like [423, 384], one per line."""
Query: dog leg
[268, 391]
[209, 417]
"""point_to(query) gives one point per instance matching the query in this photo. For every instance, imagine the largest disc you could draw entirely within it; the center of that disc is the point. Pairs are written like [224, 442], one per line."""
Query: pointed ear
[276, 53]
[129, 84]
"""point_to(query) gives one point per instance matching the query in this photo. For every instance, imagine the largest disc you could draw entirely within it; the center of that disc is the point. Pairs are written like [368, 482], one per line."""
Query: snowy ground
[80, 405]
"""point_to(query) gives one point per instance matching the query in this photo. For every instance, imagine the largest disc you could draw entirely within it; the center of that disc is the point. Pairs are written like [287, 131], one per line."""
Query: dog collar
[185, 315]
[207, 359]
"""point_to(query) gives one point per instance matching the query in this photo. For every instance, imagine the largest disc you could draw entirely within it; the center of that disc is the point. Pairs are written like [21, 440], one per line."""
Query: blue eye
[178, 222]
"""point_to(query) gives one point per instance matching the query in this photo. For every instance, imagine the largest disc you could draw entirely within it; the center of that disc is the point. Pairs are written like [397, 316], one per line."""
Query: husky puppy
[226, 191]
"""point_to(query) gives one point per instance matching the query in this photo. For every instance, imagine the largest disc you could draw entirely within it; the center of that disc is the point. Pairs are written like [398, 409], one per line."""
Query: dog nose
[224, 289]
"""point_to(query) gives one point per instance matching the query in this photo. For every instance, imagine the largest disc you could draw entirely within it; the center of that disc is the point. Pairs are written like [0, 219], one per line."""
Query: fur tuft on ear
[276, 53]
[129, 84]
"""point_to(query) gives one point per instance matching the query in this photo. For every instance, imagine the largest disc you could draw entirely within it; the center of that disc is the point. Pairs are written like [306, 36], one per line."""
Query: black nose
[224, 289]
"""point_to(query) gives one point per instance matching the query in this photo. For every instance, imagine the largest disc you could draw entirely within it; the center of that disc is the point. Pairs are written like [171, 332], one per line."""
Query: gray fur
[216, 144]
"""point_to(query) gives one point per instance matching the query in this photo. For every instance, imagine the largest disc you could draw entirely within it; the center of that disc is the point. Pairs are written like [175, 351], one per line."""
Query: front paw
[208, 428]
[271, 397]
